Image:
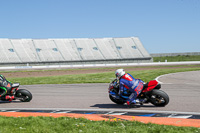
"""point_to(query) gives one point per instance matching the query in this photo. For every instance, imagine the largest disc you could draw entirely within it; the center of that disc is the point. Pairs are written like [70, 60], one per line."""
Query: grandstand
[72, 51]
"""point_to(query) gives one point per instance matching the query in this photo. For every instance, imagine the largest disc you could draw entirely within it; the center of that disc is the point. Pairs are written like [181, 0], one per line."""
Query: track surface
[183, 89]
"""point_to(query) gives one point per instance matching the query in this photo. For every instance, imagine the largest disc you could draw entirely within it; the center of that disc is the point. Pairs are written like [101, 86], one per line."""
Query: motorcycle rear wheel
[159, 98]
[23, 95]
[117, 101]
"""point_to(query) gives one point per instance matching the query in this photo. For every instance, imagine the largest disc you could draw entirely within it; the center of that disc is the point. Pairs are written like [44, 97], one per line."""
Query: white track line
[162, 76]
[157, 78]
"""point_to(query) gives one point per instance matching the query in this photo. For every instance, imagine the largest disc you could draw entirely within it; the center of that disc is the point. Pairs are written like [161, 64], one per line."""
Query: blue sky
[163, 26]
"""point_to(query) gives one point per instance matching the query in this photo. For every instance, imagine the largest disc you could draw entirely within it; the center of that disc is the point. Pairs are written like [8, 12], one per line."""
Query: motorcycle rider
[128, 83]
[4, 86]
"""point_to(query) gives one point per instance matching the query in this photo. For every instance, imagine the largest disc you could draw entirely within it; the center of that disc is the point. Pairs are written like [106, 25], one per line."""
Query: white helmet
[119, 73]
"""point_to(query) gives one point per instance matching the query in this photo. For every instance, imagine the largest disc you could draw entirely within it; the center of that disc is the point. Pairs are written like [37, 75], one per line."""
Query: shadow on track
[122, 106]
[109, 106]
[4, 102]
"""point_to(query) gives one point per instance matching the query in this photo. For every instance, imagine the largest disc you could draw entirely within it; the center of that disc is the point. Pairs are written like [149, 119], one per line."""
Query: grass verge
[74, 125]
[177, 58]
[106, 77]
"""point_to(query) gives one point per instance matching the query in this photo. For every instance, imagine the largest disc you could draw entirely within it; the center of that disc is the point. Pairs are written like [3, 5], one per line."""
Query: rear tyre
[117, 101]
[159, 98]
[23, 95]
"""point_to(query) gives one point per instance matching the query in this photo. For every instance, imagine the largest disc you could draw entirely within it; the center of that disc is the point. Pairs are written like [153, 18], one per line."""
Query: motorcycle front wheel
[159, 98]
[117, 101]
[23, 95]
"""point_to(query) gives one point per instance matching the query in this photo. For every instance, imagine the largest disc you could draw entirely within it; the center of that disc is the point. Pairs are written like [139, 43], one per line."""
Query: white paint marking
[12, 111]
[109, 113]
[54, 111]
[184, 116]
[63, 112]
[118, 113]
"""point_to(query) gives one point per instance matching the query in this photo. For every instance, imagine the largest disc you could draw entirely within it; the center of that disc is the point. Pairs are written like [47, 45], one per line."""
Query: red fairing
[151, 85]
[127, 77]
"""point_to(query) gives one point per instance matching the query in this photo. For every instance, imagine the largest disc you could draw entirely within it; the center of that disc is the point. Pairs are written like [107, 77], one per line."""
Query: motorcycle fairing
[150, 86]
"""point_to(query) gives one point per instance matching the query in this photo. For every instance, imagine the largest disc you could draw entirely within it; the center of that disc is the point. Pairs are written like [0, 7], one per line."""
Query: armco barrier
[100, 65]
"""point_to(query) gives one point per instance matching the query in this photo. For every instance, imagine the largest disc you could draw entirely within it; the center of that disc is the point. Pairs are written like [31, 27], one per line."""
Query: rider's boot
[140, 101]
[9, 98]
[131, 104]
[12, 98]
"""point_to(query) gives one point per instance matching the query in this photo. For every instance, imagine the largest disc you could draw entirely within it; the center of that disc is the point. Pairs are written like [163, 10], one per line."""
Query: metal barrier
[100, 65]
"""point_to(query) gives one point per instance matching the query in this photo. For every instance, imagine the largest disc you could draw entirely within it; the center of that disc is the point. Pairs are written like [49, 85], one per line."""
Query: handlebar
[115, 83]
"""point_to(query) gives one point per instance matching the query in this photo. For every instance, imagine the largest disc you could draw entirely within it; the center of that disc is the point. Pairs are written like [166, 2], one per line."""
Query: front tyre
[23, 95]
[117, 101]
[159, 98]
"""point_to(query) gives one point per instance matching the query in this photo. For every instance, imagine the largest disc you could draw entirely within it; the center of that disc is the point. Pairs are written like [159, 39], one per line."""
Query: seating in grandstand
[68, 49]
[47, 50]
[107, 48]
[8, 52]
[25, 50]
[127, 48]
[72, 50]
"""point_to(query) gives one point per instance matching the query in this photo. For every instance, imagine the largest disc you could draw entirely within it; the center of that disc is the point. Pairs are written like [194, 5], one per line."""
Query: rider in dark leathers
[4, 86]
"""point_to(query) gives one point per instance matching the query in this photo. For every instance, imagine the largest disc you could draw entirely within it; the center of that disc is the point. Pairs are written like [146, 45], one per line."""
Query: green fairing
[3, 89]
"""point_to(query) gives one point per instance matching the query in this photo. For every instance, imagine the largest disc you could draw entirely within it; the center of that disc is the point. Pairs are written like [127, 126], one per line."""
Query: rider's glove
[115, 85]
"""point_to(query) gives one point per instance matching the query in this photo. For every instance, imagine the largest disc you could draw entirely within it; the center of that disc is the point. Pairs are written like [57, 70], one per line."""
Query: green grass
[177, 58]
[145, 75]
[73, 125]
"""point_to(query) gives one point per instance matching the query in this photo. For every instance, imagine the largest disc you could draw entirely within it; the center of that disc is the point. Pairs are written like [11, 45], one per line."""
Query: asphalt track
[183, 89]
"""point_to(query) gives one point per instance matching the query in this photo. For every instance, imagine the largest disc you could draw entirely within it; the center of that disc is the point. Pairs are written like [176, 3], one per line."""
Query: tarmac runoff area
[91, 101]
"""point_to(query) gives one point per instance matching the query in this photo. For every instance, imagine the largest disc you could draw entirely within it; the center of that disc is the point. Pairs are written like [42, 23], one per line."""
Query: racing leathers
[4, 86]
[128, 83]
